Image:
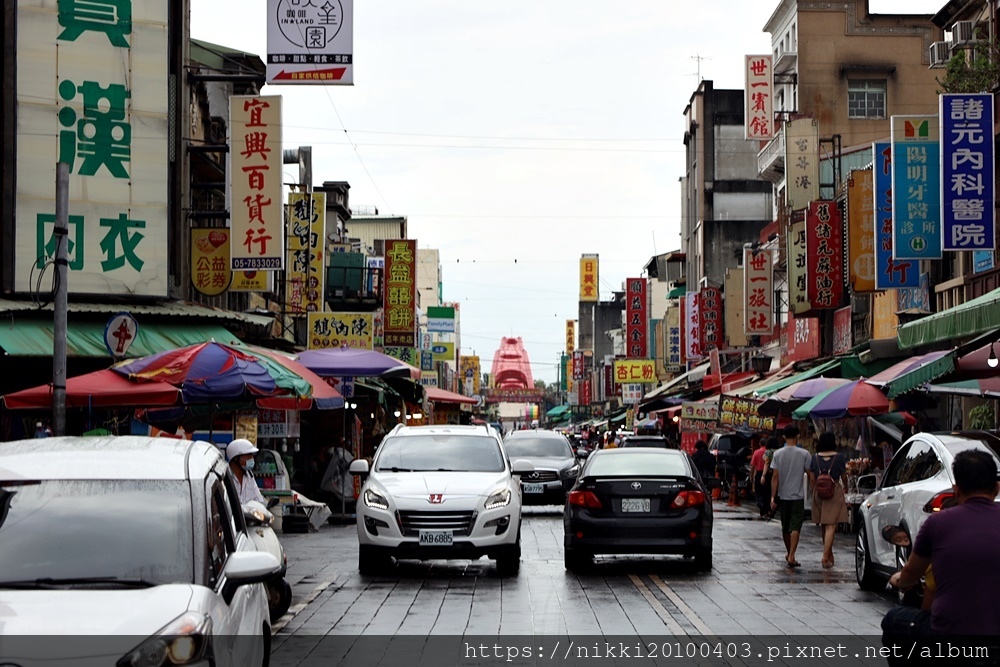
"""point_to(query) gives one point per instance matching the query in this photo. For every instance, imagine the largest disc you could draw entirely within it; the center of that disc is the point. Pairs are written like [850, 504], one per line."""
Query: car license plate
[534, 488]
[635, 504]
[436, 538]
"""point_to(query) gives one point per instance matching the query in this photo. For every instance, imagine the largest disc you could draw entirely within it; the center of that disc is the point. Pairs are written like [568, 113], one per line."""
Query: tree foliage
[978, 72]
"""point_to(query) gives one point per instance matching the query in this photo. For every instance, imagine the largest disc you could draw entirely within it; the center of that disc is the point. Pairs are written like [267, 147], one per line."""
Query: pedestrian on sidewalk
[757, 470]
[828, 512]
[703, 460]
[788, 468]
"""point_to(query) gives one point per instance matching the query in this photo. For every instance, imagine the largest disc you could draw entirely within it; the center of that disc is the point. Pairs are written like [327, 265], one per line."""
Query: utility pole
[59, 315]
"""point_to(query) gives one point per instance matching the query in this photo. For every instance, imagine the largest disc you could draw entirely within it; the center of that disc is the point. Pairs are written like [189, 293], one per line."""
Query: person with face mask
[240, 455]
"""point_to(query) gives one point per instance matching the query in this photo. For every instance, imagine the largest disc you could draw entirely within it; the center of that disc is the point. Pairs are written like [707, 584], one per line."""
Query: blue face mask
[249, 465]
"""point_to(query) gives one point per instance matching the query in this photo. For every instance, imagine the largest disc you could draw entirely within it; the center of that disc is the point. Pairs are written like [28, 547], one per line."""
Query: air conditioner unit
[940, 54]
[963, 32]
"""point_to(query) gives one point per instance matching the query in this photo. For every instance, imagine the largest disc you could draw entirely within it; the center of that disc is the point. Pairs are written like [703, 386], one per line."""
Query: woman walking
[829, 506]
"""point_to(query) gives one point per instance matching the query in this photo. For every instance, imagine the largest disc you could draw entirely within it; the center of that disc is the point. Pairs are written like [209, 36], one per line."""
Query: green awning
[914, 372]
[558, 411]
[971, 318]
[34, 338]
[677, 292]
[830, 366]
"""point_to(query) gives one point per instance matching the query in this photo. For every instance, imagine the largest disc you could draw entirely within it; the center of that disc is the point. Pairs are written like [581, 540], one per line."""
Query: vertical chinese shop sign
[801, 162]
[861, 231]
[256, 215]
[798, 274]
[399, 327]
[636, 344]
[691, 322]
[967, 208]
[210, 273]
[589, 275]
[758, 291]
[825, 252]
[889, 272]
[759, 101]
[916, 187]
[710, 300]
[306, 240]
[92, 91]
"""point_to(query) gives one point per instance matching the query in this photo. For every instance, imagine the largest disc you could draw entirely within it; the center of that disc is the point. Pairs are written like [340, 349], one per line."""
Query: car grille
[459, 523]
[540, 476]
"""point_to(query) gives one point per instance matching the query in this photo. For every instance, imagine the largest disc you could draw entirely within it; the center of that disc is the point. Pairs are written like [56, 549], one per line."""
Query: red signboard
[636, 318]
[842, 342]
[710, 317]
[803, 338]
[825, 255]
[400, 323]
[585, 397]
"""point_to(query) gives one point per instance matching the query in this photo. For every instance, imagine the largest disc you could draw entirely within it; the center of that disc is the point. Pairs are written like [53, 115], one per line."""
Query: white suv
[440, 492]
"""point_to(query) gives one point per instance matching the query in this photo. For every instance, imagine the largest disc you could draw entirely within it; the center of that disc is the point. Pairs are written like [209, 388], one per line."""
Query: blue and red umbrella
[855, 398]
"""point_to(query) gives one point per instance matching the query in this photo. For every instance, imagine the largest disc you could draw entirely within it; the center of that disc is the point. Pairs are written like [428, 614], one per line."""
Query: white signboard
[758, 98]
[631, 393]
[801, 162]
[92, 92]
[310, 42]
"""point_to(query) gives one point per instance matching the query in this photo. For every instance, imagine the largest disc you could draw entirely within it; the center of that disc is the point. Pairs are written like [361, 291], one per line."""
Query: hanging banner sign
[915, 298]
[335, 330]
[310, 42]
[916, 187]
[801, 162]
[842, 331]
[967, 171]
[861, 230]
[803, 339]
[305, 272]
[570, 336]
[740, 413]
[692, 326]
[889, 272]
[710, 319]
[673, 339]
[256, 216]
[578, 370]
[400, 300]
[825, 255]
[119, 334]
[798, 274]
[759, 98]
[758, 291]
[589, 275]
[210, 272]
[636, 318]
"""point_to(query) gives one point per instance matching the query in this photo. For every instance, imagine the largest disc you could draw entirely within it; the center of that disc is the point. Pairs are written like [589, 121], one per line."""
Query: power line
[487, 137]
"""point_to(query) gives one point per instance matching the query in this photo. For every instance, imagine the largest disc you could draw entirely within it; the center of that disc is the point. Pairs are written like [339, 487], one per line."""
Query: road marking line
[660, 610]
[297, 609]
[688, 612]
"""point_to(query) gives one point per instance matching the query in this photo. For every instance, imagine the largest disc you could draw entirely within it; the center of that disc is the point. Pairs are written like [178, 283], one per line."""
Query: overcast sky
[517, 136]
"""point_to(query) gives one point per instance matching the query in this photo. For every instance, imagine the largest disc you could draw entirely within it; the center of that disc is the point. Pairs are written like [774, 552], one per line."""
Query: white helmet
[239, 447]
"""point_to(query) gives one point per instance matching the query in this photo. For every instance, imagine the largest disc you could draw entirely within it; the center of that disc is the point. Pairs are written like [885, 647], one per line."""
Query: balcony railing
[771, 158]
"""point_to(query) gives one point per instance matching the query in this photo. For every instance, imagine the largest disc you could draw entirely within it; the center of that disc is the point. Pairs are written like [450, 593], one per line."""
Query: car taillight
[584, 499]
[939, 502]
[689, 499]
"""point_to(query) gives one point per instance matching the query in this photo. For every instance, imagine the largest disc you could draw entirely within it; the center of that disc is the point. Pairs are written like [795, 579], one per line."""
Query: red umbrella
[100, 389]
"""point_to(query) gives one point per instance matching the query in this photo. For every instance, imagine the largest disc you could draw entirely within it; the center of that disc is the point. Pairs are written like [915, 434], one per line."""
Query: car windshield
[445, 451]
[644, 442]
[537, 447]
[79, 529]
[638, 464]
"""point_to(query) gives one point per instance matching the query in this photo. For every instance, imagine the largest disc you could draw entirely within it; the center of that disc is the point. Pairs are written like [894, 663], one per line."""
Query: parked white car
[440, 492]
[917, 483]
[141, 541]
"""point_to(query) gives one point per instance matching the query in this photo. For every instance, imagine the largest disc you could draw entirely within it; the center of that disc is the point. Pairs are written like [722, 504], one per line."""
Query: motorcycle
[260, 521]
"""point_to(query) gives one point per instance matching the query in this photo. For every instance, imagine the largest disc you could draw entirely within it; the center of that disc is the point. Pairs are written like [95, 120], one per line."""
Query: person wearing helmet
[240, 455]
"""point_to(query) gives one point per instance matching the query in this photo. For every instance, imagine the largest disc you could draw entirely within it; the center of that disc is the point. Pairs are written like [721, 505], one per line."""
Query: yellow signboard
[570, 336]
[588, 278]
[471, 374]
[340, 330]
[306, 237]
[629, 371]
[884, 318]
[443, 351]
[861, 230]
[210, 272]
[251, 281]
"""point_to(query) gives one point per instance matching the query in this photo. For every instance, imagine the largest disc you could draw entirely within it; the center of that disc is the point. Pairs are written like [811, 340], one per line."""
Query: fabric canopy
[100, 389]
[973, 317]
[348, 362]
[436, 395]
[982, 387]
[558, 411]
[914, 372]
[777, 386]
[33, 338]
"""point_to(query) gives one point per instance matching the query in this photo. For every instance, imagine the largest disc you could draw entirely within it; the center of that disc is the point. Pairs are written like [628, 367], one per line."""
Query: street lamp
[760, 363]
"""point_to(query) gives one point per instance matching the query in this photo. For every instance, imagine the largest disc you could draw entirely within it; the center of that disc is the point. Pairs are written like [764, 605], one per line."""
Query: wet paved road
[749, 591]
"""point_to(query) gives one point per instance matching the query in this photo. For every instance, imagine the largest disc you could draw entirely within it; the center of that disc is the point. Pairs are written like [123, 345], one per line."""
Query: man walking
[788, 467]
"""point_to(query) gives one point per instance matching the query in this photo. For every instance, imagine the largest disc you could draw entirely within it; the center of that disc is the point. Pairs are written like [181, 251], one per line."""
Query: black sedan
[647, 441]
[638, 500]
[555, 463]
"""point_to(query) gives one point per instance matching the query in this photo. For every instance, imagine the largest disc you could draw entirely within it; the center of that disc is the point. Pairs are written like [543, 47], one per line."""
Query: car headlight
[376, 500]
[185, 640]
[262, 517]
[498, 499]
[572, 471]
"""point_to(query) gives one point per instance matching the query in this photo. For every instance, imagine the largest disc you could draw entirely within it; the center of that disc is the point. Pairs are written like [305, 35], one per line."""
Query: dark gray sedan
[556, 466]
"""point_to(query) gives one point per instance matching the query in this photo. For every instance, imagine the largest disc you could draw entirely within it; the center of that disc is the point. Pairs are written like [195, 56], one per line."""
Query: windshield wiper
[395, 469]
[50, 582]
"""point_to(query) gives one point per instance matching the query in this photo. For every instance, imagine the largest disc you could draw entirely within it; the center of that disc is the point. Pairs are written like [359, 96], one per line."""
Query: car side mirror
[867, 483]
[522, 467]
[247, 567]
[359, 467]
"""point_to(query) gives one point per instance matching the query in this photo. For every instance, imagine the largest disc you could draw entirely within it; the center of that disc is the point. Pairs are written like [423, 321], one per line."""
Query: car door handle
[890, 496]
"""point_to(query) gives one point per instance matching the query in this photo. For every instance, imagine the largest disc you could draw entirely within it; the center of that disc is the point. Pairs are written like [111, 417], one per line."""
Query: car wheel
[371, 561]
[868, 580]
[576, 560]
[509, 560]
[279, 598]
[703, 560]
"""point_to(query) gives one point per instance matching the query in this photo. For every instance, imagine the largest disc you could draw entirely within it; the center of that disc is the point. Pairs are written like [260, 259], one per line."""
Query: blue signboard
[426, 360]
[967, 210]
[889, 273]
[916, 187]
[982, 260]
[916, 298]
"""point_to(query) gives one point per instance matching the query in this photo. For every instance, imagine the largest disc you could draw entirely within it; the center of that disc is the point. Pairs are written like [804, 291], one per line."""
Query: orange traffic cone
[717, 491]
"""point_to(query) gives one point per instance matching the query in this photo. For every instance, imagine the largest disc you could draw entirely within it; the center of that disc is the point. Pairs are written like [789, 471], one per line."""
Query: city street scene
[559, 332]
